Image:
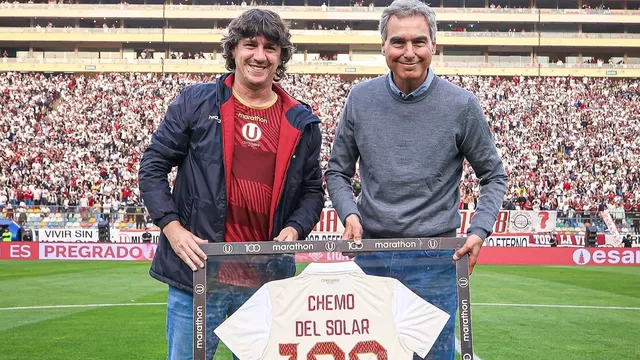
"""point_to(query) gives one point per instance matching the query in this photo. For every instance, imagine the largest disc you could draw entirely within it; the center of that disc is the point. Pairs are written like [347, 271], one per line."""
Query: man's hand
[352, 229]
[287, 234]
[472, 246]
[185, 245]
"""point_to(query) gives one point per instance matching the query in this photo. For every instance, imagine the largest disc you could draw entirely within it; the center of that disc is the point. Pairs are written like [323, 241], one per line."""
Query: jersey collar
[337, 267]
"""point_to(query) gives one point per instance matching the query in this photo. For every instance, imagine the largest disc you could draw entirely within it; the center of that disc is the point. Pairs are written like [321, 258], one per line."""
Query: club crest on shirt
[251, 132]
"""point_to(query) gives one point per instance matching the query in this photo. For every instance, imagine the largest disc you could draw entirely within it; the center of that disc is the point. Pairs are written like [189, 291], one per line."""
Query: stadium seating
[570, 144]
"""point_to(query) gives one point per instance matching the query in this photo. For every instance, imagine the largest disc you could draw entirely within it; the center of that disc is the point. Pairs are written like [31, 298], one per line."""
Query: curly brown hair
[255, 22]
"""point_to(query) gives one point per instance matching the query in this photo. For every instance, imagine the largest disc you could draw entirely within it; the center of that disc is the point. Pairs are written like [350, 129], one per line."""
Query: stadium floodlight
[222, 250]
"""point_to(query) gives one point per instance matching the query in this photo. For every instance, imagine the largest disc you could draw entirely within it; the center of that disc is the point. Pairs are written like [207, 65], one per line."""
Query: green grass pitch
[589, 312]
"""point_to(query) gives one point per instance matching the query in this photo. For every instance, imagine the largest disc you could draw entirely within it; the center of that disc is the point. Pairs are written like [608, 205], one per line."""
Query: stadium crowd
[571, 144]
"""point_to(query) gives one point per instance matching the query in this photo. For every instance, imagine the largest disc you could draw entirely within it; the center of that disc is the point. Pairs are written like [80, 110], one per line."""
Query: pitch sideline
[70, 306]
[77, 306]
[558, 306]
[458, 348]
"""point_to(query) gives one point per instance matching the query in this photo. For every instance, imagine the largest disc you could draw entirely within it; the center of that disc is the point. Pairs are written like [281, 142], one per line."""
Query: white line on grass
[78, 306]
[164, 303]
[458, 349]
[558, 306]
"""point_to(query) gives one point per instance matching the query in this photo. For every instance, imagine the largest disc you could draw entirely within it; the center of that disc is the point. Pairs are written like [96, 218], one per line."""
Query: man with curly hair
[248, 170]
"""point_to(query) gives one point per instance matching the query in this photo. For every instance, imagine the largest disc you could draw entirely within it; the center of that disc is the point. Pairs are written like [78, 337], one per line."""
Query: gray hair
[407, 8]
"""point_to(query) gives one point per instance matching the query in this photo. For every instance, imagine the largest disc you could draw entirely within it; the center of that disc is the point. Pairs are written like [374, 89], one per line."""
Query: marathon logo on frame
[199, 337]
[199, 327]
[400, 244]
[301, 246]
[464, 308]
[464, 321]
[294, 246]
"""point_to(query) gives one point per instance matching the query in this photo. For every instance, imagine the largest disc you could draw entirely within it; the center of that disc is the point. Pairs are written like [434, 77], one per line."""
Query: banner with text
[329, 227]
[76, 251]
[611, 225]
[134, 236]
[67, 235]
[99, 251]
[560, 256]
[521, 221]
[495, 240]
[490, 255]
[15, 250]
[564, 239]
[635, 239]
[507, 222]
[510, 240]
[526, 256]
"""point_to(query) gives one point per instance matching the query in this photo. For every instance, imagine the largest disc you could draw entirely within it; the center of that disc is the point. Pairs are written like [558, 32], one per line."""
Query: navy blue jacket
[197, 136]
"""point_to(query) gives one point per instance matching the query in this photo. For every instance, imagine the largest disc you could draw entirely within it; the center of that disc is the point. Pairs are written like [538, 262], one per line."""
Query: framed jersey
[333, 311]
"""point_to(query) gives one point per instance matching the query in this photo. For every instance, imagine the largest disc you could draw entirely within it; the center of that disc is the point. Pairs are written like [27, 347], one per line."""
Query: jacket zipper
[218, 119]
[286, 178]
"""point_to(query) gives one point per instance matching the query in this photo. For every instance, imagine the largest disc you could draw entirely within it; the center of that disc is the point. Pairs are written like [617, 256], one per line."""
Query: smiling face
[408, 49]
[256, 62]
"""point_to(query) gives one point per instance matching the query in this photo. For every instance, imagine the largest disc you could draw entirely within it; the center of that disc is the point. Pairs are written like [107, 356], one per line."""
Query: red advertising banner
[100, 251]
[516, 221]
[559, 256]
[500, 227]
[510, 240]
[329, 222]
[564, 239]
[19, 250]
[498, 255]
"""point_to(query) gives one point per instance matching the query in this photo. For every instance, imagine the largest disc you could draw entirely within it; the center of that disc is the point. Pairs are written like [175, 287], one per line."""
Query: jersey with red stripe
[256, 135]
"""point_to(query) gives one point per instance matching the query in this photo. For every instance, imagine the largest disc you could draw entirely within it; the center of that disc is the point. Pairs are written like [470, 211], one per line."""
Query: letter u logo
[251, 132]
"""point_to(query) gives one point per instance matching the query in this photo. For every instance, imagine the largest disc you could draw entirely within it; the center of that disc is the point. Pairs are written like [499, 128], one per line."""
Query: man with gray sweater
[411, 131]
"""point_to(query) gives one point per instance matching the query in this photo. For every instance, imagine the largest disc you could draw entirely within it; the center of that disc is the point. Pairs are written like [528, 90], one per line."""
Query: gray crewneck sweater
[411, 155]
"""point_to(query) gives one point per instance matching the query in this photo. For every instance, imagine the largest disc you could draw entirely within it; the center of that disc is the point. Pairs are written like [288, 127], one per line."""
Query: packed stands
[71, 143]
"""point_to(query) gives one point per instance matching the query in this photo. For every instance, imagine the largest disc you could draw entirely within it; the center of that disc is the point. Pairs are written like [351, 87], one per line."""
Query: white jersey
[335, 312]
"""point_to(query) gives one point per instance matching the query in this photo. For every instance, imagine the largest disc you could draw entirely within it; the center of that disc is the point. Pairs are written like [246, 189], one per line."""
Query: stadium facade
[475, 37]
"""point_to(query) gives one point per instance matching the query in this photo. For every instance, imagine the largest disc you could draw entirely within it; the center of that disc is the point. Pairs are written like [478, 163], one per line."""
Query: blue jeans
[432, 276]
[221, 302]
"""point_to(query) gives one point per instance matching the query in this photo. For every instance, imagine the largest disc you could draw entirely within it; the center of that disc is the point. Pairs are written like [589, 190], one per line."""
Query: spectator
[564, 140]
[146, 236]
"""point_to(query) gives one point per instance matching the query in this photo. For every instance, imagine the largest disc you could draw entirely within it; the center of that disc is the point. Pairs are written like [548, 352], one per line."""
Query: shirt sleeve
[342, 163]
[480, 150]
[246, 332]
[418, 322]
